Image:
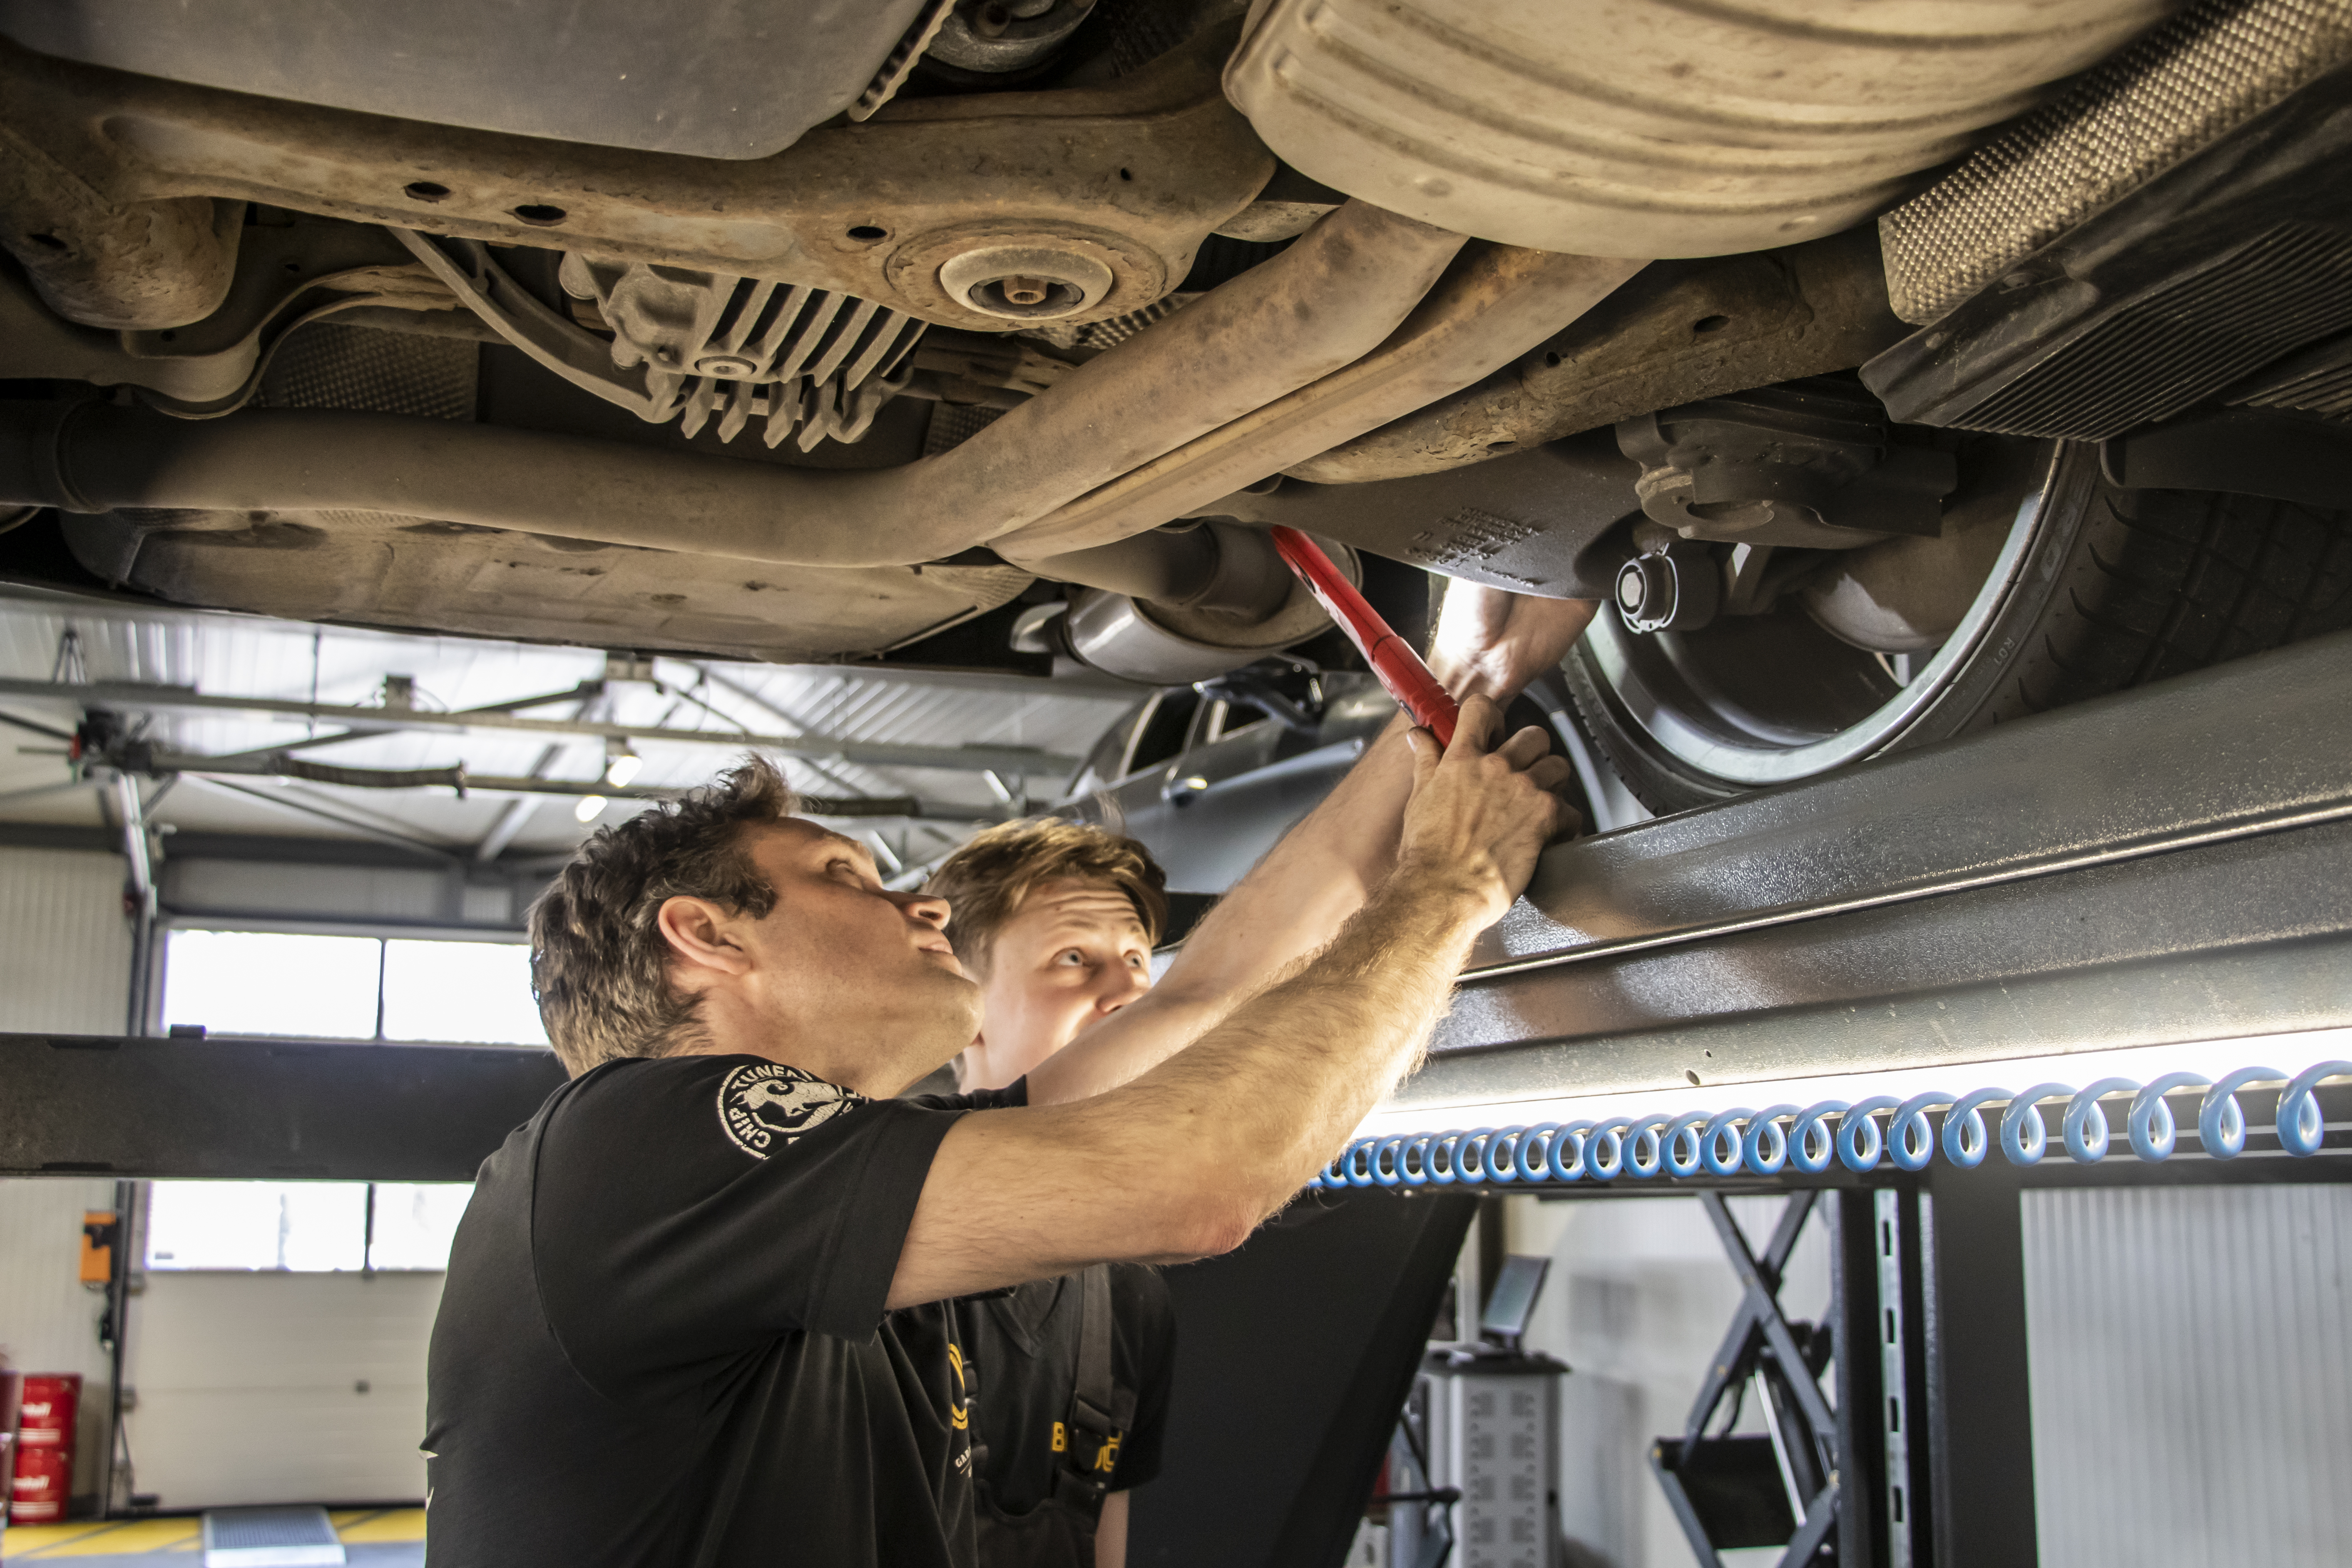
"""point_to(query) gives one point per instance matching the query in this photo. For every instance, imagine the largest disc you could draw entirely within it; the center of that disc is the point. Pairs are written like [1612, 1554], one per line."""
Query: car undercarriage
[1893, 374]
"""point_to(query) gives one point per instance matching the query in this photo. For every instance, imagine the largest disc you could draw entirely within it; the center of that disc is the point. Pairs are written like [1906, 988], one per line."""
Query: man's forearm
[1261, 1100]
[1288, 905]
[1309, 885]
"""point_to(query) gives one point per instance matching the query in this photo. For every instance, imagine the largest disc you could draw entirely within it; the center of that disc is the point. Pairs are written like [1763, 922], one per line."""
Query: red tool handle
[1391, 658]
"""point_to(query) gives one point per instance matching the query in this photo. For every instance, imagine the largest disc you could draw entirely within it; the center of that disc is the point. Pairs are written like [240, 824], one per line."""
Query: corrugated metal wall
[65, 946]
[194, 889]
[48, 1323]
[2191, 1353]
[65, 966]
[259, 1388]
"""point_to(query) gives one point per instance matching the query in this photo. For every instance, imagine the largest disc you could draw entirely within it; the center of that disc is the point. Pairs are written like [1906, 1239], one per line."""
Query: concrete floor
[373, 1537]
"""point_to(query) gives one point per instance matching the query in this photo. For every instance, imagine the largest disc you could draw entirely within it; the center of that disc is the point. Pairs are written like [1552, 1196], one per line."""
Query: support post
[1979, 1423]
[1853, 1309]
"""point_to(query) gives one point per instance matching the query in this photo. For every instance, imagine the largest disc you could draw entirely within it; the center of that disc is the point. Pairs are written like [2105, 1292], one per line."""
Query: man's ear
[701, 936]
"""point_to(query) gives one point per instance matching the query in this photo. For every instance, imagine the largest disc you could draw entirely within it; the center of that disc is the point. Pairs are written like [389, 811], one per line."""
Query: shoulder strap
[1094, 1383]
[1100, 1410]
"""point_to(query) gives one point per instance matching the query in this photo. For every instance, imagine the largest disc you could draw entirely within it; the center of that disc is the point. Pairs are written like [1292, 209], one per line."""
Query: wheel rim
[1757, 700]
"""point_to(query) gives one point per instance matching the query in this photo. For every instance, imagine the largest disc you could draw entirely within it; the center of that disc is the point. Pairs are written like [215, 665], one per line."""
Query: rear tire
[2117, 588]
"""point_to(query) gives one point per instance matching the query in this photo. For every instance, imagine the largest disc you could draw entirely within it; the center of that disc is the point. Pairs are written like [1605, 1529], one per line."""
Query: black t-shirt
[1022, 1353]
[663, 1337]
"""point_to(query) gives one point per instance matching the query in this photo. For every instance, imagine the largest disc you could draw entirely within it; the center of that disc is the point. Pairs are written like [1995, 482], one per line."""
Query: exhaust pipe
[1490, 309]
[1321, 305]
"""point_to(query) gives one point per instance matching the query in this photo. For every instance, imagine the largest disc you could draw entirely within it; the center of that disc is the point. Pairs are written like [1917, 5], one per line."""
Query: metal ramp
[271, 1538]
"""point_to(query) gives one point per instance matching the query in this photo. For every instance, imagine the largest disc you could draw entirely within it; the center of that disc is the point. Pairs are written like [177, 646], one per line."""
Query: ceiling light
[621, 763]
[590, 808]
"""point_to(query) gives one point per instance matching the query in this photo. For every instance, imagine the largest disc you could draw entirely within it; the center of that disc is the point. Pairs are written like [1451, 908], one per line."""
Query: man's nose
[1123, 986]
[928, 908]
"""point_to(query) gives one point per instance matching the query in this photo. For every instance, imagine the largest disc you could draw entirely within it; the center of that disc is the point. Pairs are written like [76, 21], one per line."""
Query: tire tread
[2162, 582]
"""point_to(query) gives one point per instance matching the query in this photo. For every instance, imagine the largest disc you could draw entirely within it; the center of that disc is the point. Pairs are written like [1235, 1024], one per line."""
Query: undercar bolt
[1678, 589]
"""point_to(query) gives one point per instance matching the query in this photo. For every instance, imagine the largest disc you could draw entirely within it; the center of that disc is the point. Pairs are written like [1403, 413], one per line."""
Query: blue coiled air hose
[1765, 1143]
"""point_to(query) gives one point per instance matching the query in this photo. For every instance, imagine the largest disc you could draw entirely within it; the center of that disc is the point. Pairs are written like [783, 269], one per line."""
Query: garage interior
[2092, 1348]
[1910, 1126]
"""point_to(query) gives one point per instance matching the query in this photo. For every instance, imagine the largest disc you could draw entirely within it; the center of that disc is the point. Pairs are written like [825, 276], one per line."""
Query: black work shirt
[663, 1337]
[1022, 1350]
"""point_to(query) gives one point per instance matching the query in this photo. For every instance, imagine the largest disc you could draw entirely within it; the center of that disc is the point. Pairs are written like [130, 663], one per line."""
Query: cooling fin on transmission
[804, 360]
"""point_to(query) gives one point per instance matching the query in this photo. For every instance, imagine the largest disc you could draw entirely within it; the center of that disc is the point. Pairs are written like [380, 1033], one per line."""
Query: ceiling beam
[464, 782]
[148, 697]
[88, 607]
[276, 849]
[285, 800]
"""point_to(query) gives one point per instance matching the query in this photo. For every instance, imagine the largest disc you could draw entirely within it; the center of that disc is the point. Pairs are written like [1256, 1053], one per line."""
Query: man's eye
[1072, 957]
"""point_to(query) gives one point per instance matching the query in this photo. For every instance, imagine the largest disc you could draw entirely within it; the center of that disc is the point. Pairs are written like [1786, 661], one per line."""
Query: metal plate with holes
[271, 1538]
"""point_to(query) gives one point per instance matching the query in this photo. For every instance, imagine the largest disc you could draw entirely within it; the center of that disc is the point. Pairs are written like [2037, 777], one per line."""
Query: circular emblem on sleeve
[766, 1107]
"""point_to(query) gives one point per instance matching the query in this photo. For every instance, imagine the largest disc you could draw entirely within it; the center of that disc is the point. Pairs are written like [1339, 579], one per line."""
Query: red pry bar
[1391, 658]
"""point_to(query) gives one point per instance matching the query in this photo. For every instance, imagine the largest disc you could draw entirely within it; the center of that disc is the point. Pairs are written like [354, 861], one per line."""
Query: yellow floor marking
[127, 1537]
[92, 1538]
[393, 1524]
[25, 1538]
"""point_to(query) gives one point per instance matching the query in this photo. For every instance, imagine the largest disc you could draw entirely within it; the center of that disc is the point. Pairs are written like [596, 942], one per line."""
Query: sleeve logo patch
[767, 1106]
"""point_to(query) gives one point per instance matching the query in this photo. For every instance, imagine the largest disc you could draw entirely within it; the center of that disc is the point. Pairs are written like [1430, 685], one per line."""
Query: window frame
[1128, 768]
[367, 1250]
[379, 932]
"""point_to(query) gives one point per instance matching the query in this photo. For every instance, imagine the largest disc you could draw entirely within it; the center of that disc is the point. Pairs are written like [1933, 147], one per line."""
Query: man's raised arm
[1488, 644]
[1188, 1157]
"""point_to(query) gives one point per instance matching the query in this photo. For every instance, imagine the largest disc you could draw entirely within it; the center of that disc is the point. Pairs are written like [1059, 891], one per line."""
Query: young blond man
[1056, 921]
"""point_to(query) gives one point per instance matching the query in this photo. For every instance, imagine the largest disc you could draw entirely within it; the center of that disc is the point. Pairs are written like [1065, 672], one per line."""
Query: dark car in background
[1208, 780]
[1209, 777]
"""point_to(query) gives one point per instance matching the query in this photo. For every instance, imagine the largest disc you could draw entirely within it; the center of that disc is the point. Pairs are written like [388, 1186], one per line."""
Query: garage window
[329, 987]
[1164, 728]
[351, 987]
[302, 1228]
